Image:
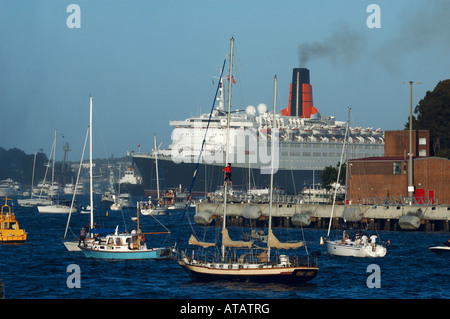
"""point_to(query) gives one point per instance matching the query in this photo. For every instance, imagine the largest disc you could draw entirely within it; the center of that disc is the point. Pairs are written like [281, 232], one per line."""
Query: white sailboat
[34, 200]
[73, 245]
[251, 265]
[55, 207]
[158, 208]
[360, 247]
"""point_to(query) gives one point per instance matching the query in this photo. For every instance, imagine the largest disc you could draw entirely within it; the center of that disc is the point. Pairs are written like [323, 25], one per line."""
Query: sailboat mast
[53, 164]
[272, 153]
[90, 164]
[230, 81]
[156, 165]
[32, 176]
[339, 172]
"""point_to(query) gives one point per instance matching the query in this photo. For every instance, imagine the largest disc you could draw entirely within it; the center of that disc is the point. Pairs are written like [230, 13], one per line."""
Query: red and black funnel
[300, 95]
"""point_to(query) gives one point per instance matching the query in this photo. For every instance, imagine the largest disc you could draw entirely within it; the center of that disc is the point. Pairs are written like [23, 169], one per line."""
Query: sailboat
[251, 265]
[127, 246]
[115, 245]
[55, 206]
[74, 245]
[360, 247]
[33, 201]
[159, 208]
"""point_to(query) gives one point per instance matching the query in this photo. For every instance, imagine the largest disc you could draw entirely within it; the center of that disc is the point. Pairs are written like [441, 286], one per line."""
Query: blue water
[38, 269]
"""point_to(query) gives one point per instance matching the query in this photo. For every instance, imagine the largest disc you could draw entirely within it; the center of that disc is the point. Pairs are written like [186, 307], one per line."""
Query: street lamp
[410, 154]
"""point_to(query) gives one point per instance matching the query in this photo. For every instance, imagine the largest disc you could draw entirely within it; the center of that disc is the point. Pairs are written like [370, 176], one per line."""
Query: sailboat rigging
[247, 265]
[115, 245]
[346, 247]
[160, 207]
[54, 206]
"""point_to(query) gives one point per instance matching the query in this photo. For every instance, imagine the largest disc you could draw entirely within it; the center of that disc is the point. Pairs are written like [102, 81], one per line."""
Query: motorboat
[10, 232]
[444, 248]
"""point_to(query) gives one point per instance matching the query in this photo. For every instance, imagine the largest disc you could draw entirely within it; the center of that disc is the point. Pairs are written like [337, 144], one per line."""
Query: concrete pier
[407, 217]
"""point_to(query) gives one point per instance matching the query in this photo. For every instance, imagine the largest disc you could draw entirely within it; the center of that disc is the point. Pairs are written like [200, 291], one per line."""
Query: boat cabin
[120, 242]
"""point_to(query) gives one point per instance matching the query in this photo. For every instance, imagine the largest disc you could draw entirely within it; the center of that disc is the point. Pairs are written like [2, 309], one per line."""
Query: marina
[38, 269]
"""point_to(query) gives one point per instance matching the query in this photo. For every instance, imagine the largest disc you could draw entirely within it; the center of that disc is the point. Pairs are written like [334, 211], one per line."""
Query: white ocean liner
[308, 141]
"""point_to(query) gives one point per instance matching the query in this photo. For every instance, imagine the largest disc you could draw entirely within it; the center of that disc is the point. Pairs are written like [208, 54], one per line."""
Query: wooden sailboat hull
[257, 273]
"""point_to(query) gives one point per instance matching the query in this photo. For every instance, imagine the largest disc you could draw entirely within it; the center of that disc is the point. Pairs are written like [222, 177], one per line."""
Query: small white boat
[56, 209]
[34, 201]
[353, 249]
[439, 249]
[86, 210]
[116, 206]
[154, 210]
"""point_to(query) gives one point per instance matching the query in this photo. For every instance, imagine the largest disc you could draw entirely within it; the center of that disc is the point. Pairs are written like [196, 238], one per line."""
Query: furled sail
[194, 241]
[227, 241]
[273, 242]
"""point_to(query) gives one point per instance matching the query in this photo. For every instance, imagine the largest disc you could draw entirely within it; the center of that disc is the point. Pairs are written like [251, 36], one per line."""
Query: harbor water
[42, 268]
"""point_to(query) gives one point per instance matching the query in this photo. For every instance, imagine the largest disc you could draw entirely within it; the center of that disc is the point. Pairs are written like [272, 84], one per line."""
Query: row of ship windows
[339, 146]
[321, 154]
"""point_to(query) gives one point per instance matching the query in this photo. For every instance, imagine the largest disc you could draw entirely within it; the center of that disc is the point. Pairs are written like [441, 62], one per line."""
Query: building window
[422, 152]
[397, 168]
[422, 141]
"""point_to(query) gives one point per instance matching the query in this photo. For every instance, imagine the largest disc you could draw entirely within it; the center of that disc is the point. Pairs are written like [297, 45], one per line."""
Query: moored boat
[56, 209]
[439, 249]
[242, 260]
[125, 245]
[361, 247]
[10, 232]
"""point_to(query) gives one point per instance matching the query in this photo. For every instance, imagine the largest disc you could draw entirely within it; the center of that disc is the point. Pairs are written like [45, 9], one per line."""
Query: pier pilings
[392, 218]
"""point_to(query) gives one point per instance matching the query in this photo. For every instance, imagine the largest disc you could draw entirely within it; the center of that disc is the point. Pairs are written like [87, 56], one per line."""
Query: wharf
[401, 217]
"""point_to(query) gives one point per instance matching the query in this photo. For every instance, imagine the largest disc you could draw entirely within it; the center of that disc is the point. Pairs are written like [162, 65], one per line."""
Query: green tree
[433, 114]
[329, 176]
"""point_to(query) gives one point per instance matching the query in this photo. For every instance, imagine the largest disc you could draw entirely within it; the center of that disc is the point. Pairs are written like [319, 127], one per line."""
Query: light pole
[410, 154]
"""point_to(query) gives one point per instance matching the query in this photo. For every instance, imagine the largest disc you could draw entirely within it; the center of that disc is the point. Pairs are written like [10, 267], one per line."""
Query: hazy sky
[147, 62]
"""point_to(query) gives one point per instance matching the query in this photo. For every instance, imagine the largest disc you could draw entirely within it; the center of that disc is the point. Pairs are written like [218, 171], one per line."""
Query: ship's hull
[297, 164]
[210, 176]
[129, 188]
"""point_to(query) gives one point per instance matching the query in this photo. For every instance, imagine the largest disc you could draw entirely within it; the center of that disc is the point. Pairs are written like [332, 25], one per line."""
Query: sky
[147, 62]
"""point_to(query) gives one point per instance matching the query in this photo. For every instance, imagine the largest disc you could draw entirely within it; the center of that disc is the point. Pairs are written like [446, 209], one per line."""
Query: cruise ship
[305, 142]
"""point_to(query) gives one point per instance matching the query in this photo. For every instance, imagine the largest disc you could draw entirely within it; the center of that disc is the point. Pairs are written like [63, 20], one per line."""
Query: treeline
[18, 166]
